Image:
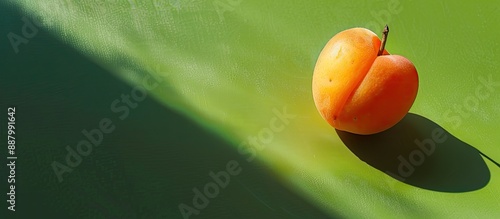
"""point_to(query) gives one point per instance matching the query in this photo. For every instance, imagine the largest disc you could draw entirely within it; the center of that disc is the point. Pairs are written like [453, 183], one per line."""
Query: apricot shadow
[405, 152]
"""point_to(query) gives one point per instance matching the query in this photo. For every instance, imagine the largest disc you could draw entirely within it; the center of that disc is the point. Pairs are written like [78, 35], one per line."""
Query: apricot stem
[384, 39]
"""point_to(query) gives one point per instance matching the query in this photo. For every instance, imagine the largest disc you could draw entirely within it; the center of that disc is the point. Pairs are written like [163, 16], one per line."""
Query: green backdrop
[234, 84]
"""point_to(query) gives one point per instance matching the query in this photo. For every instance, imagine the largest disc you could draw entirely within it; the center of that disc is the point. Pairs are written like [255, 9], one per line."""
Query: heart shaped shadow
[421, 153]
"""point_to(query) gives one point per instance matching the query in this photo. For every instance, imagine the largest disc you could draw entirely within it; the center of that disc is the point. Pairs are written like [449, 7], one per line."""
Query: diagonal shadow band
[421, 153]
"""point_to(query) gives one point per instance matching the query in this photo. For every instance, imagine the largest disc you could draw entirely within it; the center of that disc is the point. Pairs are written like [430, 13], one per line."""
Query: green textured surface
[229, 72]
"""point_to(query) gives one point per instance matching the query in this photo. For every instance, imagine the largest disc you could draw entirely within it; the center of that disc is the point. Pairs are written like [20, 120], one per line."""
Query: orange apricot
[359, 87]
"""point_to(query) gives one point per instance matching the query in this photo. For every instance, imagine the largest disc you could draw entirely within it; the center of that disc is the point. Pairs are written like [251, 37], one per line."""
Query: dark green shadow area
[421, 153]
[144, 169]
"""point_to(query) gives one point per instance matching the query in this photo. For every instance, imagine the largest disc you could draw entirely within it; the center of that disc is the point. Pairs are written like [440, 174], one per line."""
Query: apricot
[359, 87]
